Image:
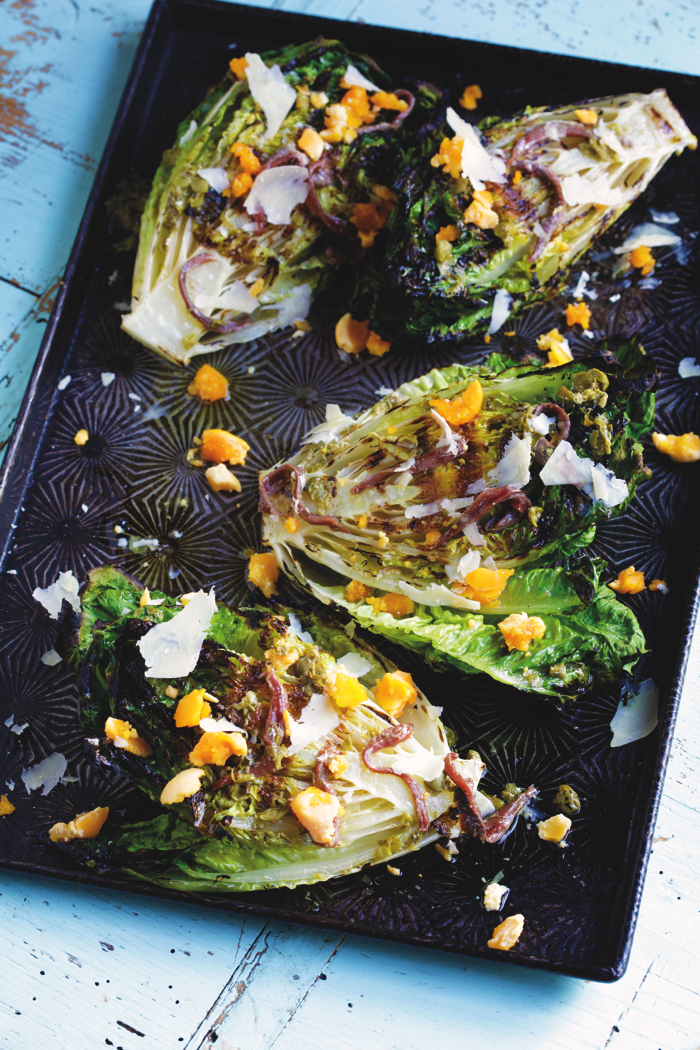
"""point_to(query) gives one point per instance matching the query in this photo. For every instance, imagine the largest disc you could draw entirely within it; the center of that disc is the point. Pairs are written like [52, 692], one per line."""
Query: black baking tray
[59, 505]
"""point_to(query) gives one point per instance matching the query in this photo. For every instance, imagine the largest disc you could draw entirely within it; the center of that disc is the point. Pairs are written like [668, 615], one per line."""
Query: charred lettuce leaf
[561, 178]
[220, 262]
[461, 525]
[266, 676]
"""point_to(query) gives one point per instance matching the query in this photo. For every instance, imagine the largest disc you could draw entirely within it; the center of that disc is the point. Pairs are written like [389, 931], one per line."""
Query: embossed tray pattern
[60, 504]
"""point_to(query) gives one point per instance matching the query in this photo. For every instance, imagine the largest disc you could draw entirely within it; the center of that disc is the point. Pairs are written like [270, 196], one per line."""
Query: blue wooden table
[83, 968]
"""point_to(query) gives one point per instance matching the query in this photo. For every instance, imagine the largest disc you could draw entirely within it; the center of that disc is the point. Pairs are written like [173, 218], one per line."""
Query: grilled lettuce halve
[215, 268]
[269, 679]
[399, 502]
[558, 178]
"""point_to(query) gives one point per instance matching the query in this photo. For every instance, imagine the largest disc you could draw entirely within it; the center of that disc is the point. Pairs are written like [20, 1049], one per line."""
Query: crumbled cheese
[46, 774]
[171, 649]
[51, 658]
[493, 896]
[52, 597]
[688, 368]
[277, 191]
[217, 178]
[501, 310]
[316, 721]
[353, 78]
[393, 871]
[271, 92]
[477, 164]
[336, 422]
[647, 235]
[354, 664]
[636, 715]
[513, 468]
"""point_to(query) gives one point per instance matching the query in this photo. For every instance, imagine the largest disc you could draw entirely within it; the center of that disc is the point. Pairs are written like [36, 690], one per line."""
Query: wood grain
[84, 968]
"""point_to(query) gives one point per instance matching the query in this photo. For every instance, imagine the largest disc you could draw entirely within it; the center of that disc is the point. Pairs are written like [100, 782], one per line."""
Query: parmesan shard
[501, 310]
[171, 649]
[578, 190]
[477, 165]
[271, 92]
[215, 177]
[513, 468]
[277, 192]
[318, 719]
[353, 78]
[648, 235]
[637, 714]
[354, 664]
[52, 597]
[336, 423]
[46, 774]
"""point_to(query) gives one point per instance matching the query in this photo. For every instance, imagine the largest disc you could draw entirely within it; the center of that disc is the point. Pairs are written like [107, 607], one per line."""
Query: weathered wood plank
[83, 966]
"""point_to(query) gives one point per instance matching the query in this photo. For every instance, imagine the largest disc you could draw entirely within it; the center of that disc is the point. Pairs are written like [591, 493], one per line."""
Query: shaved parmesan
[422, 510]
[235, 297]
[564, 467]
[541, 424]
[454, 505]
[578, 190]
[171, 649]
[669, 218]
[648, 235]
[317, 720]
[513, 468]
[474, 535]
[336, 423]
[354, 664]
[501, 309]
[296, 629]
[466, 564]
[271, 92]
[52, 598]
[448, 439]
[436, 594]
[215, 177]
[486, 806]
[688, 368]
[417, 763]
[51, 658]
[18, 730]
[637, 714]
[277, 191]
[477, 164]
[46, 774]
[471, 768]
[295, 306]
[607, 488]
[477, 486]
[220, 725]
[353, 78]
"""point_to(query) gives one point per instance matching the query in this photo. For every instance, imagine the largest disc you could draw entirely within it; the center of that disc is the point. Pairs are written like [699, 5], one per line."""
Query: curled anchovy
[544, 445]
[208, 322]
[327, 752]
[390, 738]
[543, 132]
[286, 155]
[484, 502]
[274, 725]
[553, 220]
[495, 827]
[272, 483]
[398, 120]
[435, 458]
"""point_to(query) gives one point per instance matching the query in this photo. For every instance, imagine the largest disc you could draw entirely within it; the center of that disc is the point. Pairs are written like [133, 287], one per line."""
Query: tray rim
[17, 471]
